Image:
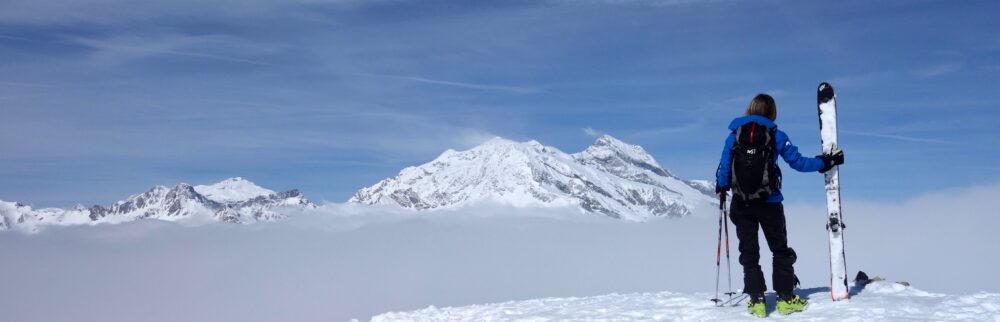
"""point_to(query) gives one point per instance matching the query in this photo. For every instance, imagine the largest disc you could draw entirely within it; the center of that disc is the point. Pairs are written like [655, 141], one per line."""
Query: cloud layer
[344, 261]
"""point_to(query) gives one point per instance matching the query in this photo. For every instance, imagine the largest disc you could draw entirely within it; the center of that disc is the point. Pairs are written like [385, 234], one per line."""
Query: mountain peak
[232, 189]
[605, 139]
[610, 177]
[497, 140]
[506, 143]
[609, 142]
[499, 147]
[608, 147]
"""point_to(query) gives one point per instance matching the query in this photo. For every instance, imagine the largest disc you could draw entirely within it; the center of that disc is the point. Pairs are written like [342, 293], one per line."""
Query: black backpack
[752, 169]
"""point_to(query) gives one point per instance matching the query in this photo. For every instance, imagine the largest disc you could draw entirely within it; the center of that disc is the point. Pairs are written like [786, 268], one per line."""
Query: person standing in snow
[749, 167]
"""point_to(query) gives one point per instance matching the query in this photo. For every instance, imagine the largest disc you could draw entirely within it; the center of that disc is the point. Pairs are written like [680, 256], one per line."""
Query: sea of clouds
[344, 261]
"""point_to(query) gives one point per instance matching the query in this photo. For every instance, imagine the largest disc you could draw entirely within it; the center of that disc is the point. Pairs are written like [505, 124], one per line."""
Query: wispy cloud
[862, 80]
[112, 12]
[650, 3]
[879, 77]
[122, 48]
[26, 84]
[937, 70]
[523, 90]
[592, 132]
[901, 137]
[12, 37]
[745, 98]
[218, 132]
[468, 85]
[684, 128]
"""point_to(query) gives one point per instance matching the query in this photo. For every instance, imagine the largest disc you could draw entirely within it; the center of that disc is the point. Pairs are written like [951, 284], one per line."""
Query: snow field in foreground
[880, 301]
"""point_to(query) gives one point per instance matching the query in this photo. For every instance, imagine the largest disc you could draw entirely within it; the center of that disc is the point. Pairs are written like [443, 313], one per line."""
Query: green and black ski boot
[789, 304]
[757, 306]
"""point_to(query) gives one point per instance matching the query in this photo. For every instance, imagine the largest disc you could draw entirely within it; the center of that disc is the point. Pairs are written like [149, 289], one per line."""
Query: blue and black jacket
[786, 150]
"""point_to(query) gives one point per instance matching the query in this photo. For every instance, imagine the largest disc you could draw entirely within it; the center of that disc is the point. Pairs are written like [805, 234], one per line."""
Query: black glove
[721, 193]
[831, 160]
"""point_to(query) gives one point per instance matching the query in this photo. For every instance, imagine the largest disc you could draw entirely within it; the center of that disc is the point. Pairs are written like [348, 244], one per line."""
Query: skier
[749, 167]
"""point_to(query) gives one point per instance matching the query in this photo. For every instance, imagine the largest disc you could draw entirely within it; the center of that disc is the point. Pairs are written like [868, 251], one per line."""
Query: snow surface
[610, 177]
[879, 301]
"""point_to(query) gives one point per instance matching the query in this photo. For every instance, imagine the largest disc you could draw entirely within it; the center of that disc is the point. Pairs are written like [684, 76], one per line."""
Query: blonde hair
[763, 105]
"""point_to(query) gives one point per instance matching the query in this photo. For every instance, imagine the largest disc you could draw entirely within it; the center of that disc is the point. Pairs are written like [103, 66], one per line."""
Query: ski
[733, 301]
[827, 101]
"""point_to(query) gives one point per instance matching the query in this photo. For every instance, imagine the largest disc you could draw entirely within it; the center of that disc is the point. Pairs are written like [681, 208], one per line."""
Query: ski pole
[718, 250]
[729, 273]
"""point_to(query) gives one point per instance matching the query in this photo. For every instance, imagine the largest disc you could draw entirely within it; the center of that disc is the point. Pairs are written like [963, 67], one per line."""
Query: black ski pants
[769, 217]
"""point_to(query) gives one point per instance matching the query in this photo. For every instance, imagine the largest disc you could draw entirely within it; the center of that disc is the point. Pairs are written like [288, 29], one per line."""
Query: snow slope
[610, 177]
[879, 301]
[233, 200]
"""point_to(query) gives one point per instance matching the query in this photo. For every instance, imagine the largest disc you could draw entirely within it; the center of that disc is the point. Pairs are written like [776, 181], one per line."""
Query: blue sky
[103, 99]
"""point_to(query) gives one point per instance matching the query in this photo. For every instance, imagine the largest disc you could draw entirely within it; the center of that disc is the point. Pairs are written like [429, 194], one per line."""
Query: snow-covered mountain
[610, 177]
[233, 200]
[231, 190]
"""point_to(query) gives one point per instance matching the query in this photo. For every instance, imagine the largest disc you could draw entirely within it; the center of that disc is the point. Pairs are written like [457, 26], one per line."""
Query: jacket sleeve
[722, 173]
[791, 154]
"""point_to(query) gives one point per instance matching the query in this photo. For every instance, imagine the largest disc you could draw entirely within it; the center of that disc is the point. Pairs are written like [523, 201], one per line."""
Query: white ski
[827, 102]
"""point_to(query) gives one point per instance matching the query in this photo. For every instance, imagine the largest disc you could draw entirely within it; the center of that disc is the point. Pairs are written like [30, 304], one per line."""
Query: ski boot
[789, 304]
[757, 306]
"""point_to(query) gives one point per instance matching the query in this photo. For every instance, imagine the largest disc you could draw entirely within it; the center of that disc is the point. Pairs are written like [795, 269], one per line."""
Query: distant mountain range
[610, 177]
[233, 200]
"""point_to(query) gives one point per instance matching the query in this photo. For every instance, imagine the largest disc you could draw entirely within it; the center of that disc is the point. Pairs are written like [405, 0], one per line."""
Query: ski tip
[825, 92]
